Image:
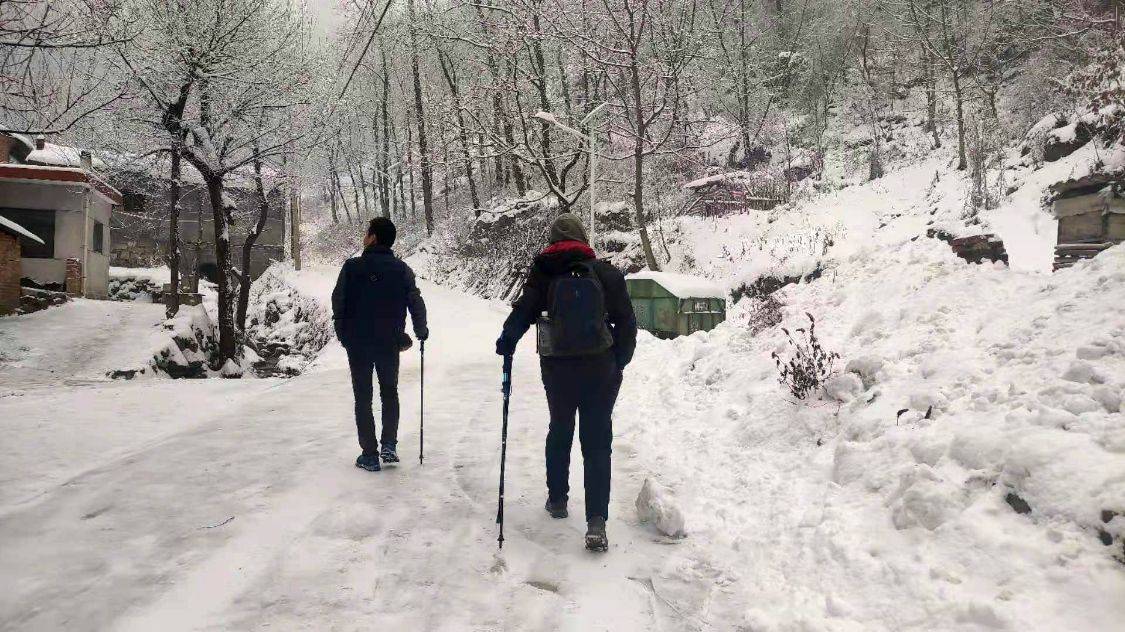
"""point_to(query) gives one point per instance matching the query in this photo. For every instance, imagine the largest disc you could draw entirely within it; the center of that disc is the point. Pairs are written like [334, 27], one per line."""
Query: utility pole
[295, 223]
[590, 138]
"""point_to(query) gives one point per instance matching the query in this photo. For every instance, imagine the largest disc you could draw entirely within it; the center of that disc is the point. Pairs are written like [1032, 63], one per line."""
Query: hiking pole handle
[506, 382]
[421, 401]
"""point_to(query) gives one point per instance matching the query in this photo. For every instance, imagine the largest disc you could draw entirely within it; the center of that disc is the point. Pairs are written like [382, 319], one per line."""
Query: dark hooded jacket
[554, 261]
[371, 298]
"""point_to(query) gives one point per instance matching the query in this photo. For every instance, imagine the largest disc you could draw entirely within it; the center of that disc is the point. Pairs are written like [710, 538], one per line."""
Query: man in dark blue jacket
[369, 305]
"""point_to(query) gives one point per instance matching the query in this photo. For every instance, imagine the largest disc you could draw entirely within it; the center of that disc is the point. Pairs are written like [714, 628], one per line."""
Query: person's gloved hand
[423, 334]
[504, 346]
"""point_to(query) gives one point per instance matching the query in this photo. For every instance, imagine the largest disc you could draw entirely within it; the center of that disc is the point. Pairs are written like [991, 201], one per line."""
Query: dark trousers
[587, 386]
[384, 364]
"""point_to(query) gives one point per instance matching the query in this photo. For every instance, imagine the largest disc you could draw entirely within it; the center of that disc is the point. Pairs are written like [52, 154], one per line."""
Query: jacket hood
[559, 256]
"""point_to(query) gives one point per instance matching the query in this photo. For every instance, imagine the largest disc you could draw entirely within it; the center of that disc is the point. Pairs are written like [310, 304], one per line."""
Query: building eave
[60, 175]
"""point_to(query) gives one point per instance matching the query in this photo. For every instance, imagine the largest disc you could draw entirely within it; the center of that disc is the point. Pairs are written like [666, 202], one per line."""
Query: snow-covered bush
[810, 366]
[133, 288]
[285, 328]
[488, 255]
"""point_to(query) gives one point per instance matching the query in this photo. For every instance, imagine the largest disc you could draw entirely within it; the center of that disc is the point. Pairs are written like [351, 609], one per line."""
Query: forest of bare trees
[428, 111]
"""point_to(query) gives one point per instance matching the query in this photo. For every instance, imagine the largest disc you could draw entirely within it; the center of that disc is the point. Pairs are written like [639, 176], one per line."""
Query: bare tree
[226, 76]
[53, 72]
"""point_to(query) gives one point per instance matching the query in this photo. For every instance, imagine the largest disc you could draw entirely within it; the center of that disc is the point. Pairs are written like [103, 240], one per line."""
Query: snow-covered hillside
[842, 513]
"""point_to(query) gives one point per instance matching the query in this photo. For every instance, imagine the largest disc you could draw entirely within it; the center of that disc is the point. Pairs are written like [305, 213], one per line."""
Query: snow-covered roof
[718, 178]
[53, 155]
[683, 285]
[17, 229]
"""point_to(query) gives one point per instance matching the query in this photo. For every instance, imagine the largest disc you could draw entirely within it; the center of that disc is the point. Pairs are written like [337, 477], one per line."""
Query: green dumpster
[670, 305]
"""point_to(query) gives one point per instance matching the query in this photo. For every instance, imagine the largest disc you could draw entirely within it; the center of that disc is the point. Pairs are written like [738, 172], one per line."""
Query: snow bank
[967, 471]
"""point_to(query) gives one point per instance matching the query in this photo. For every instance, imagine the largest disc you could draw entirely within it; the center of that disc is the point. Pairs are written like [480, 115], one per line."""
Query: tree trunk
[410, 166]
[332, 199]
[248, 246]
[340, 192]
[930, 70]
[638, 164]
[363, 188]
[228, 335]
[962, 160]
[420, 109]
[462, 133]
[386, 189]
[172, 301]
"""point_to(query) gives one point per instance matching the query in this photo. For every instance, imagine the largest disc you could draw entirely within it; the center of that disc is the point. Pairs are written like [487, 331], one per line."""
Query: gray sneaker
[596, 539]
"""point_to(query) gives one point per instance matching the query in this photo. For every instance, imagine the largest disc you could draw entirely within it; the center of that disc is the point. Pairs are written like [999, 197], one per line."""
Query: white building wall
[71, 230]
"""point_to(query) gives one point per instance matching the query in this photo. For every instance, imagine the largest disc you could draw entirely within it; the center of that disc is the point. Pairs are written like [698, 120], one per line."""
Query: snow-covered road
[248, 511]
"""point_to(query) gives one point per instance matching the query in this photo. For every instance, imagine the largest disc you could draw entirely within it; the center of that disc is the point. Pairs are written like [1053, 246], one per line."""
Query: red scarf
[570, 245]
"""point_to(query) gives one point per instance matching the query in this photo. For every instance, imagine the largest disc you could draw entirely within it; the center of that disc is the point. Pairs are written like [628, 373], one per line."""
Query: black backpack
[575, 323]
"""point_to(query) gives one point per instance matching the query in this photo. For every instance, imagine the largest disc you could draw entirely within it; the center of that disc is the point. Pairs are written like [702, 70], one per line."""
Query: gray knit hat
[568, 227]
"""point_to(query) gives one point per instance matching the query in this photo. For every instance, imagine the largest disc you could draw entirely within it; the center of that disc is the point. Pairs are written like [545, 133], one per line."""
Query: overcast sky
[326, 12]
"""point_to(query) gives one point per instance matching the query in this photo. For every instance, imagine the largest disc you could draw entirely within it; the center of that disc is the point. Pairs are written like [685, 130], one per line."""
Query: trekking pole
[506, 389]
[422, 402]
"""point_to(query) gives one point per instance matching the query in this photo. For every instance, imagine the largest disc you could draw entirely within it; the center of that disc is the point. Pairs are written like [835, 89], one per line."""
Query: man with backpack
[369, 305]
[586, 336]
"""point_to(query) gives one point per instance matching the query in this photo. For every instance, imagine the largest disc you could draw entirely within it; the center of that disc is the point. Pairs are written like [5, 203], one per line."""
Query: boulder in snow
[1083, 373]
[231, 369]
[655, 505]
[866, 367]
[843, 388]
[925, 500]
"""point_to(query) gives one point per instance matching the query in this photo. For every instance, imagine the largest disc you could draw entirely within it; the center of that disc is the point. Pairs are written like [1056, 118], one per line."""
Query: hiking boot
[388, 453]
[369, 462]
[596, 539]
[557, 508]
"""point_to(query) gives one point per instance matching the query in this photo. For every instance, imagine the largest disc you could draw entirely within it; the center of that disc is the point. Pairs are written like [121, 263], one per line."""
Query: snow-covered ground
[842, 514]
[123, 524]
[965, 392]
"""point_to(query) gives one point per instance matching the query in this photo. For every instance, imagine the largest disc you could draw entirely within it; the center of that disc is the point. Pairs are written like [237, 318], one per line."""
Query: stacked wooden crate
[1091, 215]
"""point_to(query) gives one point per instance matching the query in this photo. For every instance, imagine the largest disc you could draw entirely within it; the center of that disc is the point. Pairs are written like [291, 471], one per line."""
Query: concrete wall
[9, 273]
[143, 232]
[70, 230]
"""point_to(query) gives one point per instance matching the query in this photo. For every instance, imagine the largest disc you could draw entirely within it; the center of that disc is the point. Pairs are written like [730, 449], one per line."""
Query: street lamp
[590, 138]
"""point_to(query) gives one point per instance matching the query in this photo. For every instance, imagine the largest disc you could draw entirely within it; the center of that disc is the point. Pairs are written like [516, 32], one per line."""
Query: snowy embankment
[845, 513]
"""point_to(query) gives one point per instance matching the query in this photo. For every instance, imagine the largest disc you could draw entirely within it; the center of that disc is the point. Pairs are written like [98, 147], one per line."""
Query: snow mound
[284, 325]
[655, 505]
[974, 445]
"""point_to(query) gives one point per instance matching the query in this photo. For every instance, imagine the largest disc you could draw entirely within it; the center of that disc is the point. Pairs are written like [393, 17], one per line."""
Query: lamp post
[590, 139]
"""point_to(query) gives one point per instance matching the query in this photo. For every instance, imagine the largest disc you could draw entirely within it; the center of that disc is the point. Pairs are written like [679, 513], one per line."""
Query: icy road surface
[216, 505]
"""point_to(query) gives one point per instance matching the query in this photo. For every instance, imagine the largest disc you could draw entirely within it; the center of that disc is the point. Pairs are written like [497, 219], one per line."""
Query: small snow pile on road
[967, 468]
[655, 505]
[285, 327]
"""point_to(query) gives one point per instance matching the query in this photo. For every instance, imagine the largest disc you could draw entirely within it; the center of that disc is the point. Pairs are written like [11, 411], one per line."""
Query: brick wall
[9, 273]
[74, 277]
